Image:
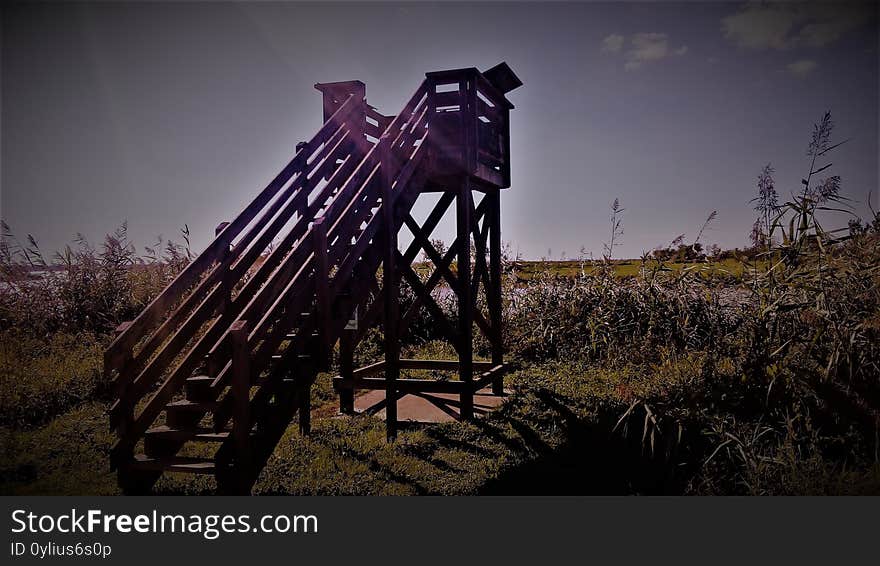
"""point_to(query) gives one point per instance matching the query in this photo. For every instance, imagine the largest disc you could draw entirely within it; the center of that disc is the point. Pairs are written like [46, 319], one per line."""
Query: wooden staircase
[226, 355]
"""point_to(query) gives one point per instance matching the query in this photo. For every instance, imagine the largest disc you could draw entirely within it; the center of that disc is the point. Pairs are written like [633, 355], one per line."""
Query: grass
[533, 433]
[67, 456]
[528, 270]
[43, 377]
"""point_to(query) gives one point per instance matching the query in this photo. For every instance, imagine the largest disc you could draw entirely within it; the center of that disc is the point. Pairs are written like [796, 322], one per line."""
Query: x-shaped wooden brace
[441, 269]
[372, 315]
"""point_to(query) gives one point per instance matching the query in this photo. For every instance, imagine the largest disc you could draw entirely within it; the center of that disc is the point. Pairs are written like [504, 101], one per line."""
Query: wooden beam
[346, 371]
[434, 278]
[488, 377]
[425, 298]
[426, 385]
[322, 292]
[407, 385]
[390, 289]
[440, 365]
[370, 370]
[241, 387]
[493, 291]
[465, 300]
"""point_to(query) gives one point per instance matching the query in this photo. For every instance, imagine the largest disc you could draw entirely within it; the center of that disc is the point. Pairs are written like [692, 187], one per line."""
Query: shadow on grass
[587, 458]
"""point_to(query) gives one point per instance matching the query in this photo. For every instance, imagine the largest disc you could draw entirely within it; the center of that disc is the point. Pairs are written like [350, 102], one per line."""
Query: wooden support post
[322, 293]
[494, 287]
[220, 227]
[469, 115]
[130, 481]
[240, 389]
[465, 299]
[506, 148]
[358, 126]
[389, 289]
[346, 372]
[123, 367]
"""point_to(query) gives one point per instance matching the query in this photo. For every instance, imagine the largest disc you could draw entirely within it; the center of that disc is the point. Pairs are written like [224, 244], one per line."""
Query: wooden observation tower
[228, 352]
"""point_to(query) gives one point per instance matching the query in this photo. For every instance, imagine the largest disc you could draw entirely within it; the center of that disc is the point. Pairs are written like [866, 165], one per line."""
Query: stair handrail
[395, 138]
[219, 248]
[354, 186]
[233, 265]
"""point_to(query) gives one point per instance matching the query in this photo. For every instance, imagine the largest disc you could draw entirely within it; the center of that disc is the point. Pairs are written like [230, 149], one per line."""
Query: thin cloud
[613, 43]
[801, 68]
[761, 26]
[642, 48]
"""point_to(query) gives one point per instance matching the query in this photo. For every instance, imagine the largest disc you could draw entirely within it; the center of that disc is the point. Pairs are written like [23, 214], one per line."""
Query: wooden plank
[491, 112]
[372, 158]
[505, 169]
[490, 175]
[433, 279]
[172, 348]
[469, 115]
[148, 377]
[428, 301]
[346, 372]
[175, 464]
[269, 343]
[408, 385]
[164, 394]
[440, 365]
[444, 99]
[493, 291]
[390, 289]
[424, 242]
[241, 387]
[491, 376]
[322, 292]
[465, 300]
[370, 370]
[280, 278]
[347, 266]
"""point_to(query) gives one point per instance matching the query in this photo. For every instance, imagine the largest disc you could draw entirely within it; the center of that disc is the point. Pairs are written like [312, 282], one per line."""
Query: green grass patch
[43, 377]
[68, 456]
[350, 455]
[527, 270]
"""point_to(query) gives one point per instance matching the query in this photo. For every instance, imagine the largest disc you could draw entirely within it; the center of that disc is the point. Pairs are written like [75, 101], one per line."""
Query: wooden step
[194, 406]
[187, 413]
[301, 359]
[197, 434]
[182, 464]
[198, 388]
[292, 335]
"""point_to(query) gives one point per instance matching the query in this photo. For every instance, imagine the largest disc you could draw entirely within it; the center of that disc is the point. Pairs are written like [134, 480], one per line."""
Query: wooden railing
[330, 249]
[159, 336]
[322, 198]
[472, 123]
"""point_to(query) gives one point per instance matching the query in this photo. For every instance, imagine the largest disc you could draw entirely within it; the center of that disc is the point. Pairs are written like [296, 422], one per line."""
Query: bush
[82, 289]
[598, 317]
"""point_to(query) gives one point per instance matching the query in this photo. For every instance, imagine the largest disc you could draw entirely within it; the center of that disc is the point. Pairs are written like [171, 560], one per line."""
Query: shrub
[83, 289]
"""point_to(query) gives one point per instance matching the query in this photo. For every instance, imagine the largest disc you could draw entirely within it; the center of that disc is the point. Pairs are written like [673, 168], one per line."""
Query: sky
[178, 114]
